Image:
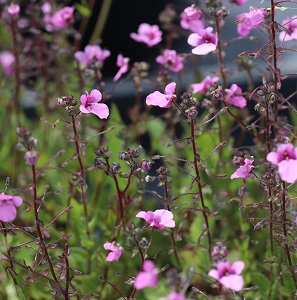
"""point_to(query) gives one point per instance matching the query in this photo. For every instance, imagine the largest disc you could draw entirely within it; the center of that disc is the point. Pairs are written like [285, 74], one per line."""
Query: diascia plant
[193, 199]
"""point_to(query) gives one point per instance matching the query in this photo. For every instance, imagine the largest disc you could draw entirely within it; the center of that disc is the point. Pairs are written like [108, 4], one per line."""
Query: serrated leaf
[262, 282]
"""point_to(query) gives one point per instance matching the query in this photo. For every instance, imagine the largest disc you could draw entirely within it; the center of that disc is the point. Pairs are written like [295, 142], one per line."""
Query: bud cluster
[188, 105]
[69, 102]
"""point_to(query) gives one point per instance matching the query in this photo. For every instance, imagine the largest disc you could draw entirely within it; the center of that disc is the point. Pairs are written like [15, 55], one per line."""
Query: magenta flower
[229, 276]
[162, 100]
[31, 157]
[204, 41]
[285, 158]
[171, 60]
[116, 251]
[191, 19]
[238, 2]
[234, 96]
[123, 64]
[148, 277]
[245, 170]
[7, 207]
[148, 34]
[13, 9]
[6, 60]
[89, 104]
[158, 219]
[204, 85]
[63, 17]
[91, 54]
[291, 33]
[249, 21]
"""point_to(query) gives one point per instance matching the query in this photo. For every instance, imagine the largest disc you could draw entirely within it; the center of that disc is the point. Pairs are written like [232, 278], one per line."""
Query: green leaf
[262, 282]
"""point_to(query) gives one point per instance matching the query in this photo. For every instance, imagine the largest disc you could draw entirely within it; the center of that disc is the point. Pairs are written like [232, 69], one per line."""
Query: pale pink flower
[285, 158]
[31, 157]
[234, 96]
[204, 41]
[175, 296]
[171, 60]
[116, 251]
[245, 170]
[7, 207]
[148, 34]
[63, 17]
[90, 106]
[6, 60]
[191, 19]
[123, 64]
[229, 276]
[249, 21]
[204, 85]
[148, 277]
[13, 9]
[162, 100]
[46, 8]
[158, 219]
[91, 54]
[238, 2]
[291, 33]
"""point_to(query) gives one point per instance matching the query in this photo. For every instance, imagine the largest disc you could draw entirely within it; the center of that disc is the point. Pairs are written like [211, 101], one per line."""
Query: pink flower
[238, 2]
[63, 17]
[171, 60]
[13, 9]
[291, 33]
[123, 64]
[90, 106]
[159, 219]
[162, 100]
[175, 296]
[245, 170]
[46, 8]
[234, 96]
[229, 276]
[91, 54]
[191, 19]
[147, 34]
[204, 41]
[285, 158]
[7, 207]
[204, 85]
[6, 60]
[249, 21]
[116, 251]
[148, 277]
[31, 157]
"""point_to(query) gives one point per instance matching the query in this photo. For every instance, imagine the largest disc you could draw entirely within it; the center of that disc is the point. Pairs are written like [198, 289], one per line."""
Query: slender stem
[198, 180]
[38, 222]
[67, 273]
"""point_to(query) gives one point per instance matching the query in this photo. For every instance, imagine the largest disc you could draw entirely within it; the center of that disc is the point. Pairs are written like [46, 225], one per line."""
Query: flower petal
[157, 99]
[99, 109]
[232, 282]
[96, 96]
[7, 212]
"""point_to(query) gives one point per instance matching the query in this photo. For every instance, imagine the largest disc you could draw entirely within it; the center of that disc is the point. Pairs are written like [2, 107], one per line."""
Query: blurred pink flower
[158, 219]
[91, 54]
[204, 41]
[63, 17]
[175, 296]
[234, 96]
[46, 8]
[116, 251]
[123, 64]
[31, 157]
[6, 60]
[204, 85]
[245, 170]
[90, 105]
[148, 277]
[148, 34]
[238, 2]
[191, 19]
[13, 9]
[285, 158]
[171, 60]
[162, 100]
[291, 33]
[229, 276]
[7, 207]
[249, 21]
